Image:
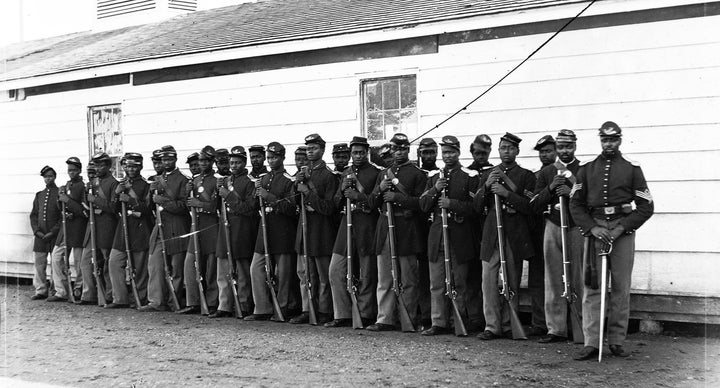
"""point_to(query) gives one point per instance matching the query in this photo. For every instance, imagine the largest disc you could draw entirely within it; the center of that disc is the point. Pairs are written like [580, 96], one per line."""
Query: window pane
[373, 99]
[391, 94]
[389, 106]
[408, 95]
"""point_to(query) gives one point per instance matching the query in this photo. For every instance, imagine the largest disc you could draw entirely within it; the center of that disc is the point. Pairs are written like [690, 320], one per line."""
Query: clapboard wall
[660, 81]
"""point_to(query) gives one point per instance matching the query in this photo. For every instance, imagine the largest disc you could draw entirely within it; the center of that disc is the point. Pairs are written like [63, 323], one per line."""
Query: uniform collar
[318, 165]
[242, 172]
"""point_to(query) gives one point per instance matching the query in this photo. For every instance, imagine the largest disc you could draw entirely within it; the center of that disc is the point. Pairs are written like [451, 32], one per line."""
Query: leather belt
[625, 208]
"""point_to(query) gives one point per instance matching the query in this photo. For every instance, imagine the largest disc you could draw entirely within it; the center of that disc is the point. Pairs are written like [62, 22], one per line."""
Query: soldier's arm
[521, 201]
[412, 202]
[286, 203]
[210, 201]
[465, 207]
[177, 204]
[375, 199]
[323, 202]
[34, 218]
[578, 204]
[248, 204]
[74, 205]
[644, 206]
[107, 204]
[429, 197]
[542, 194]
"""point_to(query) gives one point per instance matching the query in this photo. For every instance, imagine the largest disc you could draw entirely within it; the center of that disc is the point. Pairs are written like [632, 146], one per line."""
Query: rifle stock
[66, 257]
[351, 287]
[128, 253]
[406, 323]
[507, 293]
[166, 267]
[269, 277]
[198, 275]
[568, 289]
[93, 255]
[231, 261]
[450, 291]
[308, 285]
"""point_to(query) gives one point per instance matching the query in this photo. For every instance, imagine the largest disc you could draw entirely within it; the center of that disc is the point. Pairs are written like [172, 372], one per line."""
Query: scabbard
[590, 260]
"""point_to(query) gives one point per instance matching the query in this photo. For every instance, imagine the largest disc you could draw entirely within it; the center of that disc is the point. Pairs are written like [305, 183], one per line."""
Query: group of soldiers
[405, 246]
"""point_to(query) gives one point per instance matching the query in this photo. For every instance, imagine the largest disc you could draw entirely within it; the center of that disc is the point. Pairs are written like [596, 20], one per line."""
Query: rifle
[196, 245]
[128, 252]
[351, 281]
[604, 252]
[93, 254]
[231, 261]
[568, 290]
[450, 291]
[269, 277]
[66, 257]
[168, 273]
[306, 261]
[506, 291]
[406, 323]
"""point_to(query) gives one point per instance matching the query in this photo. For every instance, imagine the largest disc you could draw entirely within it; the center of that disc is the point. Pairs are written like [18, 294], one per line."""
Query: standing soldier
[102, 196]
[238, 191]
[317, 184]
[300, 158]
[45, 223]
[427, 161]
[257, 160]
[513, 184]
[601, 204]
[427, 154]
[194, 163]
[401, 186]
[75, 224]
[157, 165]
[536, 270]
[452, 191]
[275, 189]
[357, 184]
[134, 192]
[202, 195]
[552, 183]
[170, 196]
[480, 150]
[341, 156]
[222, 161]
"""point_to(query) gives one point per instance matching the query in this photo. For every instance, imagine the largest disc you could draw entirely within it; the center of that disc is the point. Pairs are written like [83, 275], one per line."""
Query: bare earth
[63, 344]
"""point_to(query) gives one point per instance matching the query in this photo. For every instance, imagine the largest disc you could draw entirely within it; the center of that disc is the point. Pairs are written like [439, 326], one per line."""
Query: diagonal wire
[491, 87]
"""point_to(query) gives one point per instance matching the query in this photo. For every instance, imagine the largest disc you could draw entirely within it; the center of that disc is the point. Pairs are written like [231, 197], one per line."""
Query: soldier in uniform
[102, 196]
[222, 161]
[238, 191]
[480, 150]
[341, 156]
[357, 184]
[202, 195]
[157, 165]
[400, 185]
[170, 194]
[387, 155]
[257, 160]
[427, 154]
[45, 222]
[134, 191]
[193, 163]
[601, 205]
[275, 188]
[459, 185]
[514, 185]
[551, 185]
[300, 158]
[545, 147]
[71, 194]
[427, 161]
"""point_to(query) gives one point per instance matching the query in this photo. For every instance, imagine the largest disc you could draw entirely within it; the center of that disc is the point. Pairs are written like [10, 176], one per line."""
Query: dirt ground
[68, 345]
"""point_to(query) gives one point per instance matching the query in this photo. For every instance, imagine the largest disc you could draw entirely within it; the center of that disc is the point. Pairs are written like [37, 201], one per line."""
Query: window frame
[365, 78]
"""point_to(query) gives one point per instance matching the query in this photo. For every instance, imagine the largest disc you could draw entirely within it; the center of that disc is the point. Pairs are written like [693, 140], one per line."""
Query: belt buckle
[609, 210]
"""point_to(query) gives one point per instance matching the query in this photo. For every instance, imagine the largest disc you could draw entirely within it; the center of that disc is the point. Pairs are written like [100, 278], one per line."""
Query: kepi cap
[483, 139]
[276, 148]
[256, 148]
[133, 158]
[101, 157]
[222, 154]
[450, 141]
[168, 151]
[545, 140]
[566, 136]
[314, 138]
[192, 157]
[427, 143]
[47, 169]
[385, 149]
[238, 152]
[340, 148]
[207, 152]
[156, 155]
[301, 150]
[611, 129]
[359, 140]
[510, 138]
[75, 161]
[400, 140]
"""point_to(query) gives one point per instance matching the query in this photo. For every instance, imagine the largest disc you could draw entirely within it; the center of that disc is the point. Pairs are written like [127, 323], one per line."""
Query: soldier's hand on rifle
[492, 178]
[303, 188]
[385, 184]
[444, 203]
[62, 197]
[159, 199]
[562, 190]
[601, 233]
[391, 196]
[558, 180]
[194, 202]
[119, 188]
[351, 193]
[154, 185]
[124, 198]
[616, 232]
[261, 192]
[223, 192]
[91, 197]
[348, 182]
[301, 175]
[441, 184]
[189, 187]
[220, 183]
[500, 190]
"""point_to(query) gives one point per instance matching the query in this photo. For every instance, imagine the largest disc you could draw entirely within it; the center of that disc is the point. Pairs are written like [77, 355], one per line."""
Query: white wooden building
[281, 69]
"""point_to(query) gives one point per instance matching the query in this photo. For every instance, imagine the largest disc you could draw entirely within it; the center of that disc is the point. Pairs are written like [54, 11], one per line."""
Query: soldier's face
[508, 151]
[133, 170]
[341, 160]
[300, 160]
[205, 164]
[480, 153]
[257, 159]
[276, 161]
[158, 166]
[169, 162]
[73, 171]
[401, 154]
[222, 165]
[102, 169]
[547, 154]
[49, 178]
[194, 167]
[237, 164]
[359, 155]
[428, 155]
[314, 152]
[450, 156]
[566, 152]
[610, 145]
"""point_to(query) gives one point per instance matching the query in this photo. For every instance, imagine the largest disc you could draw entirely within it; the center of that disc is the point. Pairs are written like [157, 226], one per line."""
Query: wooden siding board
[676, 273]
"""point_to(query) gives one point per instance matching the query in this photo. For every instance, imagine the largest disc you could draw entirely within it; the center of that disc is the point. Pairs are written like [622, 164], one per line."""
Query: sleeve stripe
[644, 195]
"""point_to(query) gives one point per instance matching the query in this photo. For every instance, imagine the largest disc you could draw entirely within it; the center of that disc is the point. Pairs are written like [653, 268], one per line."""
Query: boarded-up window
[389, 106]
[105, 133]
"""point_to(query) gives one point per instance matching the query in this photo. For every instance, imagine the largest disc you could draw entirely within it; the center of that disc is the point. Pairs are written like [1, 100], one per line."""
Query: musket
[66, 257]
[128, 253]
[93, 254]
[269, 277]
[568, 289]
[506, 291]
[450, 291]
[166, 267]
[231, 261]
[604, 252]
[351, 281]
[406, 323]
[196, 245]
[306, 261]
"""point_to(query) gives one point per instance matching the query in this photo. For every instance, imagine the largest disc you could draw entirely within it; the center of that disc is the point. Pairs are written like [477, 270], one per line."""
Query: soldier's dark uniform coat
[106, 218]
[281, 219]
[205, 188]
[175, 216]
[139, 223]
[408, 216]
[364, 216]
[45, 218]
[544, 197]
[76, 217]
[320, 209]
[464, 240]
[515, 215]
[483, 171]
[243, 217]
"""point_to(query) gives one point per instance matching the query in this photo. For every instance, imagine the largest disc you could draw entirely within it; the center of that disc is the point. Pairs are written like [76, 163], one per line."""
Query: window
[389, 106]
[105, 133]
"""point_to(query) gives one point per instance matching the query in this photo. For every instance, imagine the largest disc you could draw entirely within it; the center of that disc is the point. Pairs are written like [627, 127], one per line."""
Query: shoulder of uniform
[584, 162]
[468, 171]
[376, 166]
[288, 176]
[433, 173]
[633, 162]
